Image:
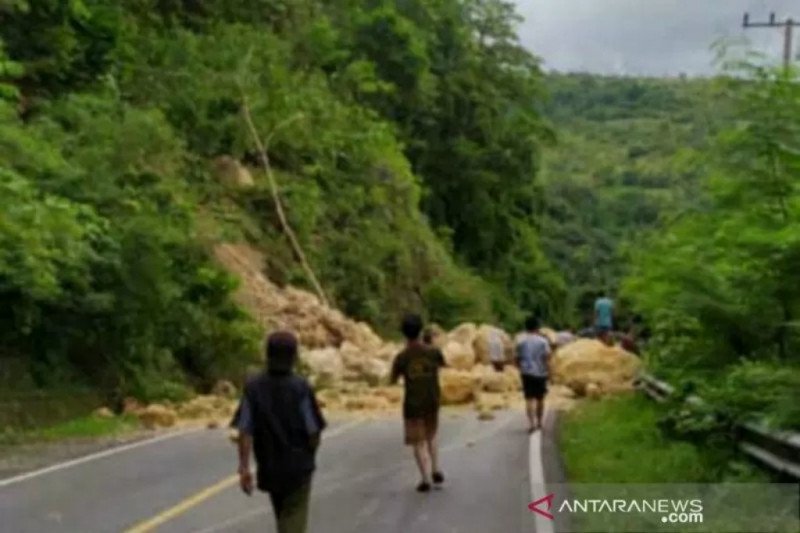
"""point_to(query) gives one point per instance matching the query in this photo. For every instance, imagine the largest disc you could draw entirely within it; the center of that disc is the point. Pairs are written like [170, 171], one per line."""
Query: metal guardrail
[778, 451]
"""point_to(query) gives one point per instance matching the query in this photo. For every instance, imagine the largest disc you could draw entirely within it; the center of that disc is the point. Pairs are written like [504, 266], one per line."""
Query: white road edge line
[536, 476]
[97, 455]
[118, 449]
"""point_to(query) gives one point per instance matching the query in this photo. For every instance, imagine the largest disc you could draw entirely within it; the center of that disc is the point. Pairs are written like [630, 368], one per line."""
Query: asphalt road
[364, 482]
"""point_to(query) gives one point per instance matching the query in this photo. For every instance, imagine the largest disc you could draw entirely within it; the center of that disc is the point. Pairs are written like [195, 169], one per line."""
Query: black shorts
[534, 386]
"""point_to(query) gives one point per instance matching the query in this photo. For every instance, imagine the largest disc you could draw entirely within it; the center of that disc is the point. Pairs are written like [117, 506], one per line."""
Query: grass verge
[617, 440]
[89, 426]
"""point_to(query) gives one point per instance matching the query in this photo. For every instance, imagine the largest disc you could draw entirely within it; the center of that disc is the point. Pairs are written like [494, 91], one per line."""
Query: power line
[788, 25]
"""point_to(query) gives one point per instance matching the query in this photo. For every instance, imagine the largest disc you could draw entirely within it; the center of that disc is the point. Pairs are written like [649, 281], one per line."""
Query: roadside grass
[615, 447]
[89, 426]
[617, 440]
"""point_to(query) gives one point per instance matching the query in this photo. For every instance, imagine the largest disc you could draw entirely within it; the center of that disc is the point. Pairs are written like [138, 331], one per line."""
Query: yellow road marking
[182, 507]
[199, 497]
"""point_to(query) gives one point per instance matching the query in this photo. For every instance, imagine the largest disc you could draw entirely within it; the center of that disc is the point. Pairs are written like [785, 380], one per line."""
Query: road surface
[365, 482]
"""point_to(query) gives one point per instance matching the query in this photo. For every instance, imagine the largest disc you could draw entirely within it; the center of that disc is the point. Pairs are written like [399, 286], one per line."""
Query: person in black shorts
[418, 364]
[533, 360]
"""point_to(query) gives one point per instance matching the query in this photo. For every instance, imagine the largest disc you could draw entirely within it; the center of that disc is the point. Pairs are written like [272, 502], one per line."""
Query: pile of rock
[348, 370]
[337, 352]
[466, 351]
[213, 409]
[361, 398]
[591, 368]
[334, 347]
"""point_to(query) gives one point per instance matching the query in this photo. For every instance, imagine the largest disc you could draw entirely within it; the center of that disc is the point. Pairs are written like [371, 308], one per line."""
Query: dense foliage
[679, 197]
[628, 156]
[407, 140]
[719, 284]
[404, 137]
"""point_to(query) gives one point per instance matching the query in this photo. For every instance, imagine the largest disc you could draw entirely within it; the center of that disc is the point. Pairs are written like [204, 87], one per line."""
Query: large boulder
[458, 386]
[231, 172]
[131, 406]
[224, 388]
[374, 371]
[585, 362]
[351, 354]
[371, 371]
[458, 355]
[438, 335]
[388, 351]
[463, 334]
[551, 335]
[489, 380]
[325, 365]
[483, 337]
[363, 364]
[362, 335]
[513, 377]
[103, 412]
[206, 406]
[156, 415]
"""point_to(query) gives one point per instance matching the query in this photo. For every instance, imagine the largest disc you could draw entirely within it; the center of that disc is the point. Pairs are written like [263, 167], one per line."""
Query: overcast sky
[651, 37]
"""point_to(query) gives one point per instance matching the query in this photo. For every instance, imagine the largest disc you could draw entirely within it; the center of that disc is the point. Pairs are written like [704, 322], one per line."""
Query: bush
[758, 391]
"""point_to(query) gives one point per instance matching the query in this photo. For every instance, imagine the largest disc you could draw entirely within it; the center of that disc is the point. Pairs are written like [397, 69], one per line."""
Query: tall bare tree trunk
[263, 154]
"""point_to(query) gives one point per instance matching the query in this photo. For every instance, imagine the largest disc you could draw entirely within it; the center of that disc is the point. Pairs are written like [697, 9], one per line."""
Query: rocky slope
[349, 363]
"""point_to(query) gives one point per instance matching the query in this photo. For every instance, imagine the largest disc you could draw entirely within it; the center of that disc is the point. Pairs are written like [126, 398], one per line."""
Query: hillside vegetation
[424, 163]
[403, 138]
[629, 155]
[680, 198]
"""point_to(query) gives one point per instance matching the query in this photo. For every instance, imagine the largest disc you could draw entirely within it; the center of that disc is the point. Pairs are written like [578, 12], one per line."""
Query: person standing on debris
[533, 360]
[604, 317]
[281, 423]
[497, 352]
[419, 365]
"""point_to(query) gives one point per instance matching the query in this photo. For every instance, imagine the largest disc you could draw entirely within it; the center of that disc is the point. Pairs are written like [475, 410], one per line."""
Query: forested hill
[629, 153]
[681, 198]
[404, 139]
[421, 165]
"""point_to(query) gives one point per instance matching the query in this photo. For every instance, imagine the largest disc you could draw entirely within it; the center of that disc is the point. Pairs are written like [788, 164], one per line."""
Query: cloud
[649, 37]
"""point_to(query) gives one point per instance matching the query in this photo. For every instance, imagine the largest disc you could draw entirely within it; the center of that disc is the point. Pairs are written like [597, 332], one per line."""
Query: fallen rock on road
[591, 368]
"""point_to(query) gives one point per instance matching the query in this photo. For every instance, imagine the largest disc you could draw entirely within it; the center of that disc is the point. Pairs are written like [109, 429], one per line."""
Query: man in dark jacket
[279, 420]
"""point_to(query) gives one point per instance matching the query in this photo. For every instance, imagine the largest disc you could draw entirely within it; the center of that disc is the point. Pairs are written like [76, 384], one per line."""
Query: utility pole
[788, 26]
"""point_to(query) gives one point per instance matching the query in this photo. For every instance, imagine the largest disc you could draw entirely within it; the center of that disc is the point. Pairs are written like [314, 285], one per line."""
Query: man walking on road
[419, 365]
[533, 360]
[281, 423]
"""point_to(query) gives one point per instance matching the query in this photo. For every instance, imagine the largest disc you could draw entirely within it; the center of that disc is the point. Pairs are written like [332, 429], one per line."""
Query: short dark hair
[411, 326]
[281, 351]
[532, 323]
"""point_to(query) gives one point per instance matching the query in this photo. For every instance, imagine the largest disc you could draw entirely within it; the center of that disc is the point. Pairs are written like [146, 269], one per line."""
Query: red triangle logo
[546, 502]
